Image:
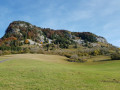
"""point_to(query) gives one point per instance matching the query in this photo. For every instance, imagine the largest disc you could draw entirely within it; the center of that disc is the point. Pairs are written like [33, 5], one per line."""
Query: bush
[26, 50]
[6, 52]
[115, 56]
[104, 51]
[67, 55]
[83, 59]
[75, 58]
[95, 52]
[41, 51]
[1, 52]
[59, 52]
[37, 50]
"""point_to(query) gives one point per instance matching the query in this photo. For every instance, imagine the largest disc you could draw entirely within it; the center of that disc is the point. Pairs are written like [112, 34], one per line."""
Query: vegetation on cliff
[23, 37]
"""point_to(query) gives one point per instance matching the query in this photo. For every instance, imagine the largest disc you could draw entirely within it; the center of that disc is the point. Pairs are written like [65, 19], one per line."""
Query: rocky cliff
[24, 30]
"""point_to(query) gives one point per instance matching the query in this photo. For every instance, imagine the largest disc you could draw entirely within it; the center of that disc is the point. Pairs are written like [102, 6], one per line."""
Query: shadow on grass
[111, 81]
[102, 60]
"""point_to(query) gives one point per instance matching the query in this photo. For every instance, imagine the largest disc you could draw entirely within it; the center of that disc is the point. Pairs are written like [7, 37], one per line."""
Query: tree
[96, 52]
[76, 46]
[47, 46]
[63, 42]
[53, 46]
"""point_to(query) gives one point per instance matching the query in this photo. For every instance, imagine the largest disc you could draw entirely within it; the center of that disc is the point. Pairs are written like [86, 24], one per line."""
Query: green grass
[51, 72]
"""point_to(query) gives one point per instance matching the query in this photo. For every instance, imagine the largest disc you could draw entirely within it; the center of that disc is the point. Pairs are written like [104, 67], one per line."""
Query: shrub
[83, 59]
[41, 51]
[67, 55]
[1, 52]
[6, 52]
[59, 52]
[75, 58]
[47, 46]
[26, 41]
[104, 51]
[115, 56]
[34, 50]
[26, 50]
[37, 50]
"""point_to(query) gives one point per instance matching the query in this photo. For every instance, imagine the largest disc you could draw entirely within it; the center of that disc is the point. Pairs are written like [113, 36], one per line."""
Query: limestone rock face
[101, 39]
[24, 30]
[79, 41]
[16, 27]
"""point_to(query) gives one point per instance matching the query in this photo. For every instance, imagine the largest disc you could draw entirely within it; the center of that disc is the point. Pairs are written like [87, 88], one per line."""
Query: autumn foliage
[26, 41]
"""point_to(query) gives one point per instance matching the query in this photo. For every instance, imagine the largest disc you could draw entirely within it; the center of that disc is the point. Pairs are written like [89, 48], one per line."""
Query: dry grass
[40, 57]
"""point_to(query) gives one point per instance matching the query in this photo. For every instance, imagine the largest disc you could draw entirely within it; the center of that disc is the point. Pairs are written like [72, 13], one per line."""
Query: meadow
[53, 72]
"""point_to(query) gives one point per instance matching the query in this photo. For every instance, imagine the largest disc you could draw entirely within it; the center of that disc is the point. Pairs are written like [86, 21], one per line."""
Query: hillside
[24, 30]
[23, 37]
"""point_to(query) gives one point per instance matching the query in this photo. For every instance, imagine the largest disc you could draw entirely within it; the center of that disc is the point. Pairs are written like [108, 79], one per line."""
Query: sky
[101, 17]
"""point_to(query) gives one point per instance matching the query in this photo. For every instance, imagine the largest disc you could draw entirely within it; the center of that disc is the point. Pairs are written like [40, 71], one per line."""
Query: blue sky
[101, 17]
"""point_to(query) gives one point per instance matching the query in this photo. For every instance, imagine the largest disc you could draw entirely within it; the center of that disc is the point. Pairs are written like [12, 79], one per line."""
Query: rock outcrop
[24, 30]
[101, 39]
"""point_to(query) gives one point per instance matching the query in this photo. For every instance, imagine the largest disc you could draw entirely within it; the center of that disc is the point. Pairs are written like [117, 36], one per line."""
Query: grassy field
[52, 72]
